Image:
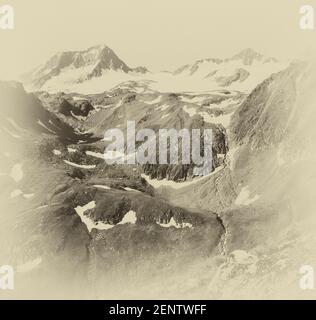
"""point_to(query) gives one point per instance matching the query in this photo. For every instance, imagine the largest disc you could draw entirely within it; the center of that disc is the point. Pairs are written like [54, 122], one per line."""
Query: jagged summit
[79, 66]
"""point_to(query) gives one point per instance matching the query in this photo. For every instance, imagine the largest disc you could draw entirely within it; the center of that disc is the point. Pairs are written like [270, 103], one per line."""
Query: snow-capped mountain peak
[98, 68]
[243, 71]
[78, 66]
[245, 57]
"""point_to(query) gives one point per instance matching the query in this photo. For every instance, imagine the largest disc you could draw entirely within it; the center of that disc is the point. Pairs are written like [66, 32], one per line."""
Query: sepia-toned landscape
[73, 226]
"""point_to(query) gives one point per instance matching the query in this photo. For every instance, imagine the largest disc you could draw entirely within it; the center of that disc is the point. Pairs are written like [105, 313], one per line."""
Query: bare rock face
[65, 108]
[170, 172]
[79, 108]
[82, 108]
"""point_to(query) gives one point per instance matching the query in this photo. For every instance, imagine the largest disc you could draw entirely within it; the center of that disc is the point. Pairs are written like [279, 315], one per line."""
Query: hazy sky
[159, 34]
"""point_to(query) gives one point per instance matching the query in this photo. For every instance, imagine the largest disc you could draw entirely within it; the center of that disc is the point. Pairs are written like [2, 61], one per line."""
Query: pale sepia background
[157, 34]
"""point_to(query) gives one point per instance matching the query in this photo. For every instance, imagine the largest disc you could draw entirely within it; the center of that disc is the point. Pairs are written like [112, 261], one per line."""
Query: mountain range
[98, 69]
[78, 66]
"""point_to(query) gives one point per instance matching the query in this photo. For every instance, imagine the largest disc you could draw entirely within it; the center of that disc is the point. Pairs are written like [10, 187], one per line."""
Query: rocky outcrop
[78, 108]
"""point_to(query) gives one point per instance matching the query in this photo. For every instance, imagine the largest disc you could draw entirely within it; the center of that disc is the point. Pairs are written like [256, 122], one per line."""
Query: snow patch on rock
[173, 223]
[82, 166]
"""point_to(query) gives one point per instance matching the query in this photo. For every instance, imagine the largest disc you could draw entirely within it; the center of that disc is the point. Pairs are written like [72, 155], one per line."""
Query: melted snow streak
[45, 127]
[98, 186]
[131, 189]
[96, 154]
[82, 166]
